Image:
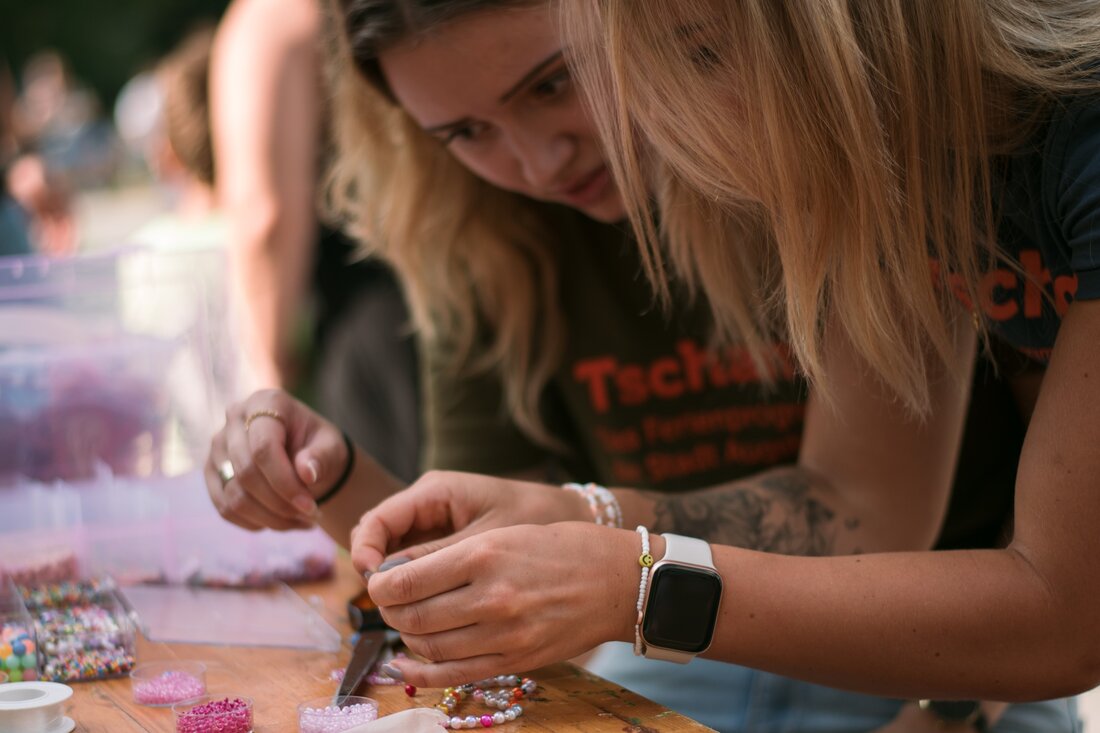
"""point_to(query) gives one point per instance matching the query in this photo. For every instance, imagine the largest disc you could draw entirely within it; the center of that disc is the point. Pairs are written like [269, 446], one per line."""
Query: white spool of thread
[34, 707]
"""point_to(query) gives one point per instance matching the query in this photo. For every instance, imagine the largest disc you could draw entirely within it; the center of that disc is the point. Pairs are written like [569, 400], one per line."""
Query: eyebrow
[513, 91]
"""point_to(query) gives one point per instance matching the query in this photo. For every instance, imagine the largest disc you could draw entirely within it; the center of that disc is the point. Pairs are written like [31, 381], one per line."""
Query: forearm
[271, 261]
[787, 510]
[367, 485]
[963, 625]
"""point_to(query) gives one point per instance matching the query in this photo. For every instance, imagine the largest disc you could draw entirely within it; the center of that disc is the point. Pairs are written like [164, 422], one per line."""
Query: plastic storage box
[83, 630]
[19, 659]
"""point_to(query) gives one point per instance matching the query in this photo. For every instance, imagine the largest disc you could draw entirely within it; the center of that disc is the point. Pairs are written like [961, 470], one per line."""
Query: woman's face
[494, 88]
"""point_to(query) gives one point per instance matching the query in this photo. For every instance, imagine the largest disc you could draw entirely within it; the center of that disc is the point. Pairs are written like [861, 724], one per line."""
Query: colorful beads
[82, 633]
[410, 690]
[18, 660]
[505, 700]
[230, 715]
[56, 595]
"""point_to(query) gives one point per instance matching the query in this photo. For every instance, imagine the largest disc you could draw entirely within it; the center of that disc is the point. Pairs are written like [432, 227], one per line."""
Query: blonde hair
[808, 157]
[468, 253]
[185, 77]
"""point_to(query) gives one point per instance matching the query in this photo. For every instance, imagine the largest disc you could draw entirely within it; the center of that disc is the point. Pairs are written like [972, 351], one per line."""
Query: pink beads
[215, 716]
[486, 721]
[168, 688]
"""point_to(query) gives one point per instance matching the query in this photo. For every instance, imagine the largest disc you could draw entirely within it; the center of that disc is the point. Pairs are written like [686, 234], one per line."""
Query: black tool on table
[374, 637]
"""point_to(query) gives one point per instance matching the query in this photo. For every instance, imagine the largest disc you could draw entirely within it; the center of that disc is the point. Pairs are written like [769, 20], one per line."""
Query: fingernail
[391, 671]
[314, 468]
[389, 564]
[367, 574]
[304, 504]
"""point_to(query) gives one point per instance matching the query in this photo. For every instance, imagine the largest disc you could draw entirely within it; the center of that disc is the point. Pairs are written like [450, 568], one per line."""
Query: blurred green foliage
[105, 41]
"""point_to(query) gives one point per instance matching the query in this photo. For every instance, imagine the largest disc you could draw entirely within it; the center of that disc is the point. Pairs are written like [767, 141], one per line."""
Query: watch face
[954, 710]
[682, 608]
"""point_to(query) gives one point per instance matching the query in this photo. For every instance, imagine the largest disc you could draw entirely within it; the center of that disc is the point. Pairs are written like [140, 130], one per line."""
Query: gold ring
[263, 413]
[225, 471]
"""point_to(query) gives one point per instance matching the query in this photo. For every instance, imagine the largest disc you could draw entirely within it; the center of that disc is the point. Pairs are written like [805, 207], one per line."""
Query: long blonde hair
[808, 157]
[468, 253]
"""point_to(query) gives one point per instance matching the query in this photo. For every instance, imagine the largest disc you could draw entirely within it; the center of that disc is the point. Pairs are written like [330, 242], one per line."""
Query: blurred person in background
[293, 275]
[164, 116]
[62, 121]
[14, 234]
[35, 210]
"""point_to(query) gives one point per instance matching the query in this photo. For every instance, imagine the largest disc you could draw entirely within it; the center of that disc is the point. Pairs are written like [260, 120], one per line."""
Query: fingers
[445, 674]
[215, 486]
[277, 485]
[424, 578]
[260, 457]
[423, 507]
[234, 503]
[265, 489]
[452, 610]
[321, 460]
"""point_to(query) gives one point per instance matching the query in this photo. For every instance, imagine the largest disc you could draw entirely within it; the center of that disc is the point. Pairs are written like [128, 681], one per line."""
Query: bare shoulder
[265, 28]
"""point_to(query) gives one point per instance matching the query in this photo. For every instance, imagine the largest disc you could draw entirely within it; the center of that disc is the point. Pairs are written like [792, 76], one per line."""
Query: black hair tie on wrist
[344, 476]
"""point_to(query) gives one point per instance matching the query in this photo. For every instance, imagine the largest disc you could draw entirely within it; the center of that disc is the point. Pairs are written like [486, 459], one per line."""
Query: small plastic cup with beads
[160, 684]
[213, 714]
[322, 716]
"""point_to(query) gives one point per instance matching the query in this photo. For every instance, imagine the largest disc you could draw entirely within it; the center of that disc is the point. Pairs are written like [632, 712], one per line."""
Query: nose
[543, 156]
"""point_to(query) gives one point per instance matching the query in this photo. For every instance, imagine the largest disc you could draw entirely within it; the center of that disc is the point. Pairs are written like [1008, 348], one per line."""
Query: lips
[588, 189]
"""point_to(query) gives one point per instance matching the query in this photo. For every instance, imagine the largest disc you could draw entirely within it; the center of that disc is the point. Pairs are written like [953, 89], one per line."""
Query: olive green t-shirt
[638, 399]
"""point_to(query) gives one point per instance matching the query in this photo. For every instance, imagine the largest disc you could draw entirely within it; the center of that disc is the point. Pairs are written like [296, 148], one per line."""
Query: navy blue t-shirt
[1048, 203]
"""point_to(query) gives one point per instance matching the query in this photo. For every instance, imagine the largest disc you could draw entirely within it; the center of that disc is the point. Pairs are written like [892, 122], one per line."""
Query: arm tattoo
[771, 513]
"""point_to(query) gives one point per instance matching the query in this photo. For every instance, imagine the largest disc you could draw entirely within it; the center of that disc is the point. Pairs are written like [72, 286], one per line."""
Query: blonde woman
[542, 342]
[808, 160]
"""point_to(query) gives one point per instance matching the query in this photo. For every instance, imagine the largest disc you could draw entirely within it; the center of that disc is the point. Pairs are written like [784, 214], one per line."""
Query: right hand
[279, 464]
[445, 507]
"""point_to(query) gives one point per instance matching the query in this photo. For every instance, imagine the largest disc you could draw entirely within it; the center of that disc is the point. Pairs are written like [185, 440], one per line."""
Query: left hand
[510, 599]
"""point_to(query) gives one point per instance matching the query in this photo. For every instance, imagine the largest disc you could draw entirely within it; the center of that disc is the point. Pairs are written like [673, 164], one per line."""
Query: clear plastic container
[83, 630]
[161, 684]
[320, 715]
[214, 714]
[106, 363]
[19, 654]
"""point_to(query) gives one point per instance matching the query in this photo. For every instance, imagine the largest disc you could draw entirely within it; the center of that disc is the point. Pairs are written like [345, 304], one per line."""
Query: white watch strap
[690, 551]
[687, 550]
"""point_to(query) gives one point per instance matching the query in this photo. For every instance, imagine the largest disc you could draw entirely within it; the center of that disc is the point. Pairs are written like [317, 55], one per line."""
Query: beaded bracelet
[603, 504]
[646, 561]
[506, 701]
[343, 477]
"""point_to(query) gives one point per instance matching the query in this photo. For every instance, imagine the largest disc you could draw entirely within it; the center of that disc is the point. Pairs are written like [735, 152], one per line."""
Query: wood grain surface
[568, 700]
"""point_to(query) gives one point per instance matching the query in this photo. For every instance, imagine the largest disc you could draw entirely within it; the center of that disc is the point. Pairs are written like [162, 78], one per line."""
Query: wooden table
[569, 699]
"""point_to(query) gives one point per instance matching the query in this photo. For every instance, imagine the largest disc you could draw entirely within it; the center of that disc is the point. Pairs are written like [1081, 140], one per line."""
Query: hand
[279, 464]
[511, 599]
[445, 507]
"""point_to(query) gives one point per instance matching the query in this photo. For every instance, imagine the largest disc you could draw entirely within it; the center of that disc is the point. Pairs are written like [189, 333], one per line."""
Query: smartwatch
[681, 601]
[964, 712]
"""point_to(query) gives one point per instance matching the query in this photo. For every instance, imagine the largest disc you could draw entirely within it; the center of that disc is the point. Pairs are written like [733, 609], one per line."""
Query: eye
[552, 86]
[467, 133]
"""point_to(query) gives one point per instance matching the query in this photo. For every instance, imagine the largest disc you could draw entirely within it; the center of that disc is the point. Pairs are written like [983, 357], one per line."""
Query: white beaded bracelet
[601, 501]
[646, 561]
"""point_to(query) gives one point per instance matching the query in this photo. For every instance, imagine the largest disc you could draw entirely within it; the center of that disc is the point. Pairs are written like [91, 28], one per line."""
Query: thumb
[427, 548]
[321, 462]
